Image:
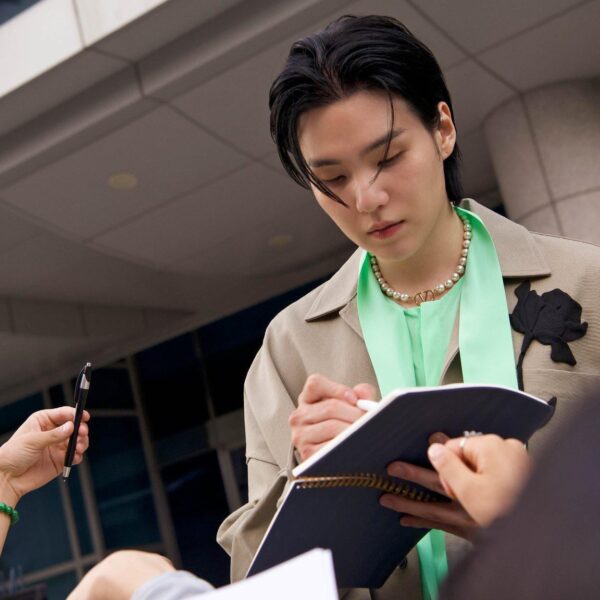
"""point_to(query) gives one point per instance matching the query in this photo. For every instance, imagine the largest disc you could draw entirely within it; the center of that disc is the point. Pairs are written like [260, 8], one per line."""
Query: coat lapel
[518, 255]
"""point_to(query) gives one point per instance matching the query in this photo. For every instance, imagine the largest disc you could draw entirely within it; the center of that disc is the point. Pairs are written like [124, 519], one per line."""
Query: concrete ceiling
[178, 98]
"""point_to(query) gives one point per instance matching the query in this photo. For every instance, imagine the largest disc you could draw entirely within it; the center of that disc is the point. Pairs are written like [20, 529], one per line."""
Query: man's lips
[385, 229]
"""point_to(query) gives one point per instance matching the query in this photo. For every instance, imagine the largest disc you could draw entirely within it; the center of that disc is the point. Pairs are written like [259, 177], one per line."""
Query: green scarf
[485, 343]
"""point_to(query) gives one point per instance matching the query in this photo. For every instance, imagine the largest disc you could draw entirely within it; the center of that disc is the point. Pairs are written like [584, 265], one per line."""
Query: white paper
[309, 576]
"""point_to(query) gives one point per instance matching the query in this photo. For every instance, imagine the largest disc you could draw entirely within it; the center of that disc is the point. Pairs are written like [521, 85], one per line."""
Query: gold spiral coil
[366, 480]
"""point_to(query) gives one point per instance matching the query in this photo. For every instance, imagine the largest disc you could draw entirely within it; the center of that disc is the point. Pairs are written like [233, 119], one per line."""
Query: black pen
[81, 391]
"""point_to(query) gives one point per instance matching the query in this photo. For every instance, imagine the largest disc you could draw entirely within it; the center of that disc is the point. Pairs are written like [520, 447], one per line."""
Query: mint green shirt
[428, 329]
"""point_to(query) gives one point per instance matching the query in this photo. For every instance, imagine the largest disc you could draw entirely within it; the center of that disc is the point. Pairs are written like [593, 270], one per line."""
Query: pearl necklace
[438, 290]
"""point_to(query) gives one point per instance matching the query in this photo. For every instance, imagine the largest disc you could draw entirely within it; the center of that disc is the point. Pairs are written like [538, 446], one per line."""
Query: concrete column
[545, 148]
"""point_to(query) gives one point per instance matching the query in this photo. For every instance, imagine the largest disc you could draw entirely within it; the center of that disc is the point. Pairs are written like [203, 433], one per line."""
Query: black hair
[352, 54]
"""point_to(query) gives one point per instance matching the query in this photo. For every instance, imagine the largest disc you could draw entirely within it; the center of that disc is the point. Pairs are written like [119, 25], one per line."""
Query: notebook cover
[367, 540]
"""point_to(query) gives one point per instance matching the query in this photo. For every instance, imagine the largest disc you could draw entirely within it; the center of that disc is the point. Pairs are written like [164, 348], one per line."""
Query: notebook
[306, 577]
[333, 499]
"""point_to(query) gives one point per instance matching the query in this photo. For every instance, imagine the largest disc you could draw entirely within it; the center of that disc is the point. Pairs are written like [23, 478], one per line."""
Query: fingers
[57, 416]
[318, 387]
[42, 439]
[331, 408]
[306, 438]
[455, 476]
[475, 447]
[447, 513]
[425, 477]
[325, 408]
[467, 532]
[365, 391]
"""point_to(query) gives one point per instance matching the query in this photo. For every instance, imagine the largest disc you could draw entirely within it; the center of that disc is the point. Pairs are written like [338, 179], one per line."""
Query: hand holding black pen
[82, 387]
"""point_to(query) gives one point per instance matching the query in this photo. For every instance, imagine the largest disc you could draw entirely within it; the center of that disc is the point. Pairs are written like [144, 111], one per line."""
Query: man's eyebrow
[326, 162]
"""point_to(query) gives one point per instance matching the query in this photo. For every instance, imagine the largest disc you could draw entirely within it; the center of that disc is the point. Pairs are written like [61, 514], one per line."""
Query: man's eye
[388, 161]
[337, 179]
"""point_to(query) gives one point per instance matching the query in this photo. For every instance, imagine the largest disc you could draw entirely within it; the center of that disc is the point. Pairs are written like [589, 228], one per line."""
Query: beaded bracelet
[11, 512]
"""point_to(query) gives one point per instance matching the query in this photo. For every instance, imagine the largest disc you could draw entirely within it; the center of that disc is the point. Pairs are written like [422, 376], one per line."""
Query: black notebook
[333, 501]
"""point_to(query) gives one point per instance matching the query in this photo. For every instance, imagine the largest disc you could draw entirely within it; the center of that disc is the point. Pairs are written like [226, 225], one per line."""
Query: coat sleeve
[269, 454]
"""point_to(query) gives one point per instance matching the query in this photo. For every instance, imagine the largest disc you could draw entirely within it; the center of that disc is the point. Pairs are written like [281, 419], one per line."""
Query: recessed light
[123, 181]
[281, 240]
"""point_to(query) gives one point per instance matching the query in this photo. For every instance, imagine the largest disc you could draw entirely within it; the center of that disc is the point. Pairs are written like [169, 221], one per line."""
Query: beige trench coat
[321, 333]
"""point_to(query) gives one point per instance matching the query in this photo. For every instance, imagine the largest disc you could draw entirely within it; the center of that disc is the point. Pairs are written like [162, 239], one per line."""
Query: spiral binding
[365, 480]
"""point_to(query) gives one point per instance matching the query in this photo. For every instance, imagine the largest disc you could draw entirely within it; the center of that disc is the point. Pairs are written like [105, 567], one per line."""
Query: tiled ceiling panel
[236, 103]
[475, 92]
[101, 279]
[38, 257]
[167, 153]
[14, 229]
[446, 52]
[564, 48]
[282, 244]
[24, 358]
[227, 209]
[479, 24]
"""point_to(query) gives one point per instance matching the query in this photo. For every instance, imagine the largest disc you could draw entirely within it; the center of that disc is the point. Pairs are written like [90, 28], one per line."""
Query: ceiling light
[123, 181]
[281, 240]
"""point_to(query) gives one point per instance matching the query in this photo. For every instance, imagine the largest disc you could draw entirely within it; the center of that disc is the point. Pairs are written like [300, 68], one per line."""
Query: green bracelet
[12, 513]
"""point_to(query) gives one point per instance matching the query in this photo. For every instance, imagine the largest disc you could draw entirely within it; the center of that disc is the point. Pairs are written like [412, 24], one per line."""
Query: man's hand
[119, 575]
[482, 479]
[36, 451]
[446, 516]
[485, 476]
[325, 409]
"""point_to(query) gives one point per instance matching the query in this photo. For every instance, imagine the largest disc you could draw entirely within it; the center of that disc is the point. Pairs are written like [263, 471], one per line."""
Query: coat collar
[518, 254]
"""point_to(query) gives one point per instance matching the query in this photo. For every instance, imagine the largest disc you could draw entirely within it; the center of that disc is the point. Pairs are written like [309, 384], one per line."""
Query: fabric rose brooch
[553, 318]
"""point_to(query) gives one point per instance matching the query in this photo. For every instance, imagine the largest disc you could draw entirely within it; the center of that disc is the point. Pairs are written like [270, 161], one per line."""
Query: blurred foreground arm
[140, 576]
[546, 547]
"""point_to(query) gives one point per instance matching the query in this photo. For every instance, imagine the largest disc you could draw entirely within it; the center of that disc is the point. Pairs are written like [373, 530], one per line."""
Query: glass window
[57, 396]
[110, 388]
[229, 346]
[79, 513]
[238, 458]
[40, 538]
[181, 445]
[12, 415]
[198, 505]
[172, 387]
[226, 372]
[121, 483]
[11, 8]
[61, 586]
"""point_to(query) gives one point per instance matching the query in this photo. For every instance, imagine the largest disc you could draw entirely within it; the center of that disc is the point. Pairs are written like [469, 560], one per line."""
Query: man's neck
[435, 261]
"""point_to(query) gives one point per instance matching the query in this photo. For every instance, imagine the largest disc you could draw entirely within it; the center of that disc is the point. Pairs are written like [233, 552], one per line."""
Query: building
[146, 226]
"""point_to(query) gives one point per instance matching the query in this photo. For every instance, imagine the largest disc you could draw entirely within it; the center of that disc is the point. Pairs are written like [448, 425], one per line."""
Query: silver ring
[463, 440]
[471, 434]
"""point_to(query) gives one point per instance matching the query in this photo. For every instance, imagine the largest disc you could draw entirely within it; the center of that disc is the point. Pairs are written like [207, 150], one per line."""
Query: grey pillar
[545, 148]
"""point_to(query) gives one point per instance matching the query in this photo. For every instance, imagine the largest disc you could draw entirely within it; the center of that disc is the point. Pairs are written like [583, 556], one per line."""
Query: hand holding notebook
[347, 476]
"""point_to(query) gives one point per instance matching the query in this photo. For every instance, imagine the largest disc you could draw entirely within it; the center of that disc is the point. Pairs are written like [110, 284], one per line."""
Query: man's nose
[369, 195]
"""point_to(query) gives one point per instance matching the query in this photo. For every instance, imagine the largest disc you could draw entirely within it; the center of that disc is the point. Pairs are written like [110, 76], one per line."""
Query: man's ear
[445, 133]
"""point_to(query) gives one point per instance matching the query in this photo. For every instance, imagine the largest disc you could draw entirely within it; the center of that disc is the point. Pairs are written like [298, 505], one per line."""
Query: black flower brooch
[553, 318]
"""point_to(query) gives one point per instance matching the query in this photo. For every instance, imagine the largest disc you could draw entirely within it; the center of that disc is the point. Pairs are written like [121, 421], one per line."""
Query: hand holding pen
[82, 387]
[34, 454]
[325, 409]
